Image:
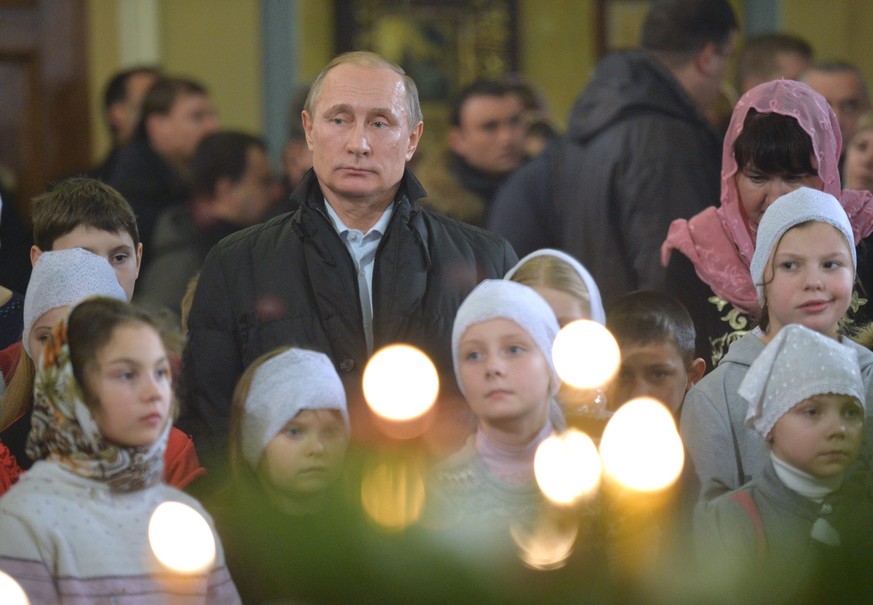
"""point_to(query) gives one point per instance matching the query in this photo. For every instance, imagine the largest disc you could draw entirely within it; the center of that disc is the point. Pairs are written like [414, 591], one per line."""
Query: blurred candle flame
[181, 538]
[641, 448]
[11, 592]
[400, 383]
[392, 494]
[567, 467]
[547, 544]
[585, 354]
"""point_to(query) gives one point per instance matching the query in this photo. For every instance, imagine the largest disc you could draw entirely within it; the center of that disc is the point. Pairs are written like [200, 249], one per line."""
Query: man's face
[490, 136]
[251, 195]
[177, 134]
[124, 115]
[844, 92]
[359, 134]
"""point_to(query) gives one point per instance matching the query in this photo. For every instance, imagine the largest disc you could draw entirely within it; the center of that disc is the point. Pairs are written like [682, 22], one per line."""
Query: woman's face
[42, 329]
[859, 161]
[757, 189]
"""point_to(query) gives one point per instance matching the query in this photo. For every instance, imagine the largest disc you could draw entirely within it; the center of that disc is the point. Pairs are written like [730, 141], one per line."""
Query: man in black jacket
[638, 152]
[355, 268]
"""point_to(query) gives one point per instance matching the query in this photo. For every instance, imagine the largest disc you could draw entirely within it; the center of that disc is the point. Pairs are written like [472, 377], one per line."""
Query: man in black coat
[638, 153]
[355, 268]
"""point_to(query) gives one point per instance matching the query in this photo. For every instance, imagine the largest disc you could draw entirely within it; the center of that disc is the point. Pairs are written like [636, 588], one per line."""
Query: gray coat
[724, 453]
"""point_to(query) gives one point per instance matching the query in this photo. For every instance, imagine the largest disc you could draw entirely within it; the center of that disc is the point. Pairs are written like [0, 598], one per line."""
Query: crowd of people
[234, 382]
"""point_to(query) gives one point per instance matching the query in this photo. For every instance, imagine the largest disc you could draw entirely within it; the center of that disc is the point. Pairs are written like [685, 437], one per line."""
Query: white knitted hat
[797, 364]
[799, 206]
[498, 298]
[283, 386]
[598, 314]
[61, 278]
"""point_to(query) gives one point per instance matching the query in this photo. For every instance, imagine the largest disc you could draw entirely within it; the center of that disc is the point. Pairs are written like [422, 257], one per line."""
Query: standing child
[804, 269]
[800, 525]
[78, 521]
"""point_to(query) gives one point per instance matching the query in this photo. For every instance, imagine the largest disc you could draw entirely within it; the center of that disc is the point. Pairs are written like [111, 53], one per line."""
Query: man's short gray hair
[368, 59]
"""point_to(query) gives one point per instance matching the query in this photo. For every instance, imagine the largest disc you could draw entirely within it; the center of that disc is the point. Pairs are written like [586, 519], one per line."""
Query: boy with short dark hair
[656, 337]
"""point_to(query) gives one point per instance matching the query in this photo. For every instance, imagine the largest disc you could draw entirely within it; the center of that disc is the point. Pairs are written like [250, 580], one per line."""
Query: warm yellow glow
[10, 592]
[585, 354]
[400, 383]
[567, 467]
[181, 538]
[392, 494]
[546, 545]
[640, 447]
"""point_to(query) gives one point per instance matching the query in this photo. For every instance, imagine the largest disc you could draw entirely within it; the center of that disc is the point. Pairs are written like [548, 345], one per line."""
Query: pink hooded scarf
[720, 241]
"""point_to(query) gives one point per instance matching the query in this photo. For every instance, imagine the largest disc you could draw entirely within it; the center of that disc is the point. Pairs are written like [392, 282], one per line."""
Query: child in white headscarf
[797, 523]
[78, 523]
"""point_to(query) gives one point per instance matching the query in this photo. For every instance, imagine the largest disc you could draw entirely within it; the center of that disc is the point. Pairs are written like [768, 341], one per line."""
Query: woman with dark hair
[782, 135]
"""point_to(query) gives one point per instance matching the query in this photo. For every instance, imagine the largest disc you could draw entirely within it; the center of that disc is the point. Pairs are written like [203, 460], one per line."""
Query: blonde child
[78, 521]
[792, 530]
[565, 284]
[804, 268]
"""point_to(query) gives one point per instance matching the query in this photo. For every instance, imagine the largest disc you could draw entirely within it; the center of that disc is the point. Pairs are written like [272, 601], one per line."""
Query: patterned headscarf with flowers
[64, 431]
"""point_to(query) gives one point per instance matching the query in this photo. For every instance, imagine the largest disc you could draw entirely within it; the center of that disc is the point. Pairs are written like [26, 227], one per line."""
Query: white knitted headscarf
[283, 386]
[598, 314]
[61, 278]
[797, 364]
[503, 299]
[799, 206]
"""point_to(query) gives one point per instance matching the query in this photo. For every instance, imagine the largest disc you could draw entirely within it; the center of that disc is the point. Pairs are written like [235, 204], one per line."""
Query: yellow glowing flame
[567, 467]
[585, 354]
[400, 383]
[10, 592]
[181, 538]
[546, 545]
[392, 494]
[640, 447]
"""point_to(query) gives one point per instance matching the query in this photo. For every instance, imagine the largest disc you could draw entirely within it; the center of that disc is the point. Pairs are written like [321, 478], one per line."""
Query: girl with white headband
[804, 269]
[782, 531]
[502, 354]
[289, 433]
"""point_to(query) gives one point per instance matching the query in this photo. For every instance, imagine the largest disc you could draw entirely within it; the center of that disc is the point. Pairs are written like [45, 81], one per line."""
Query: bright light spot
[585, 354]
[392, 494]
[567, 467]
[181, 538]
[10, 592]
[640, 446]
[546, 545]
[400, 383]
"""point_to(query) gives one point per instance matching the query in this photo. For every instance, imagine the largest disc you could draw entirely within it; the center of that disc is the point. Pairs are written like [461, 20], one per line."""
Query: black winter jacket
[637, 154]
[292, 281]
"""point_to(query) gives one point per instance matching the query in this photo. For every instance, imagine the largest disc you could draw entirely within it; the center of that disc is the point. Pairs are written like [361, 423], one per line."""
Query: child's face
[652, 369]
[132, 384]
[820, 435]
[505, 375]
[567, 307]
[809, 279]
[757, 189]
[307, 455]
[116, 247]
[42, 329]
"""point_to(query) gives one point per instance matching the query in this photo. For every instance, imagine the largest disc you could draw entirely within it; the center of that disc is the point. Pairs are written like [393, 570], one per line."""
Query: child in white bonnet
[792, 530]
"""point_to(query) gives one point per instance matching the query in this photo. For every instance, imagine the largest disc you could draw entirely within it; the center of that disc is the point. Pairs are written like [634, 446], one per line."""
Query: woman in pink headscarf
[782, 135]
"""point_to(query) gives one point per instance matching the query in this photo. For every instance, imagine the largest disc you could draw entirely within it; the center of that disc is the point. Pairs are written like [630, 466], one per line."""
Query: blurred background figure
[153, 171]
[485, 144]
[771, 56]
[539, 126]
[858, 163]
[842, 84]
[296, 157]
[232, 185]
[122, 101]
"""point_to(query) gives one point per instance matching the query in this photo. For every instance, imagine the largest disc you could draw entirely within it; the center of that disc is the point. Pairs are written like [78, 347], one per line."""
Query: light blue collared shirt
[362, 247]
